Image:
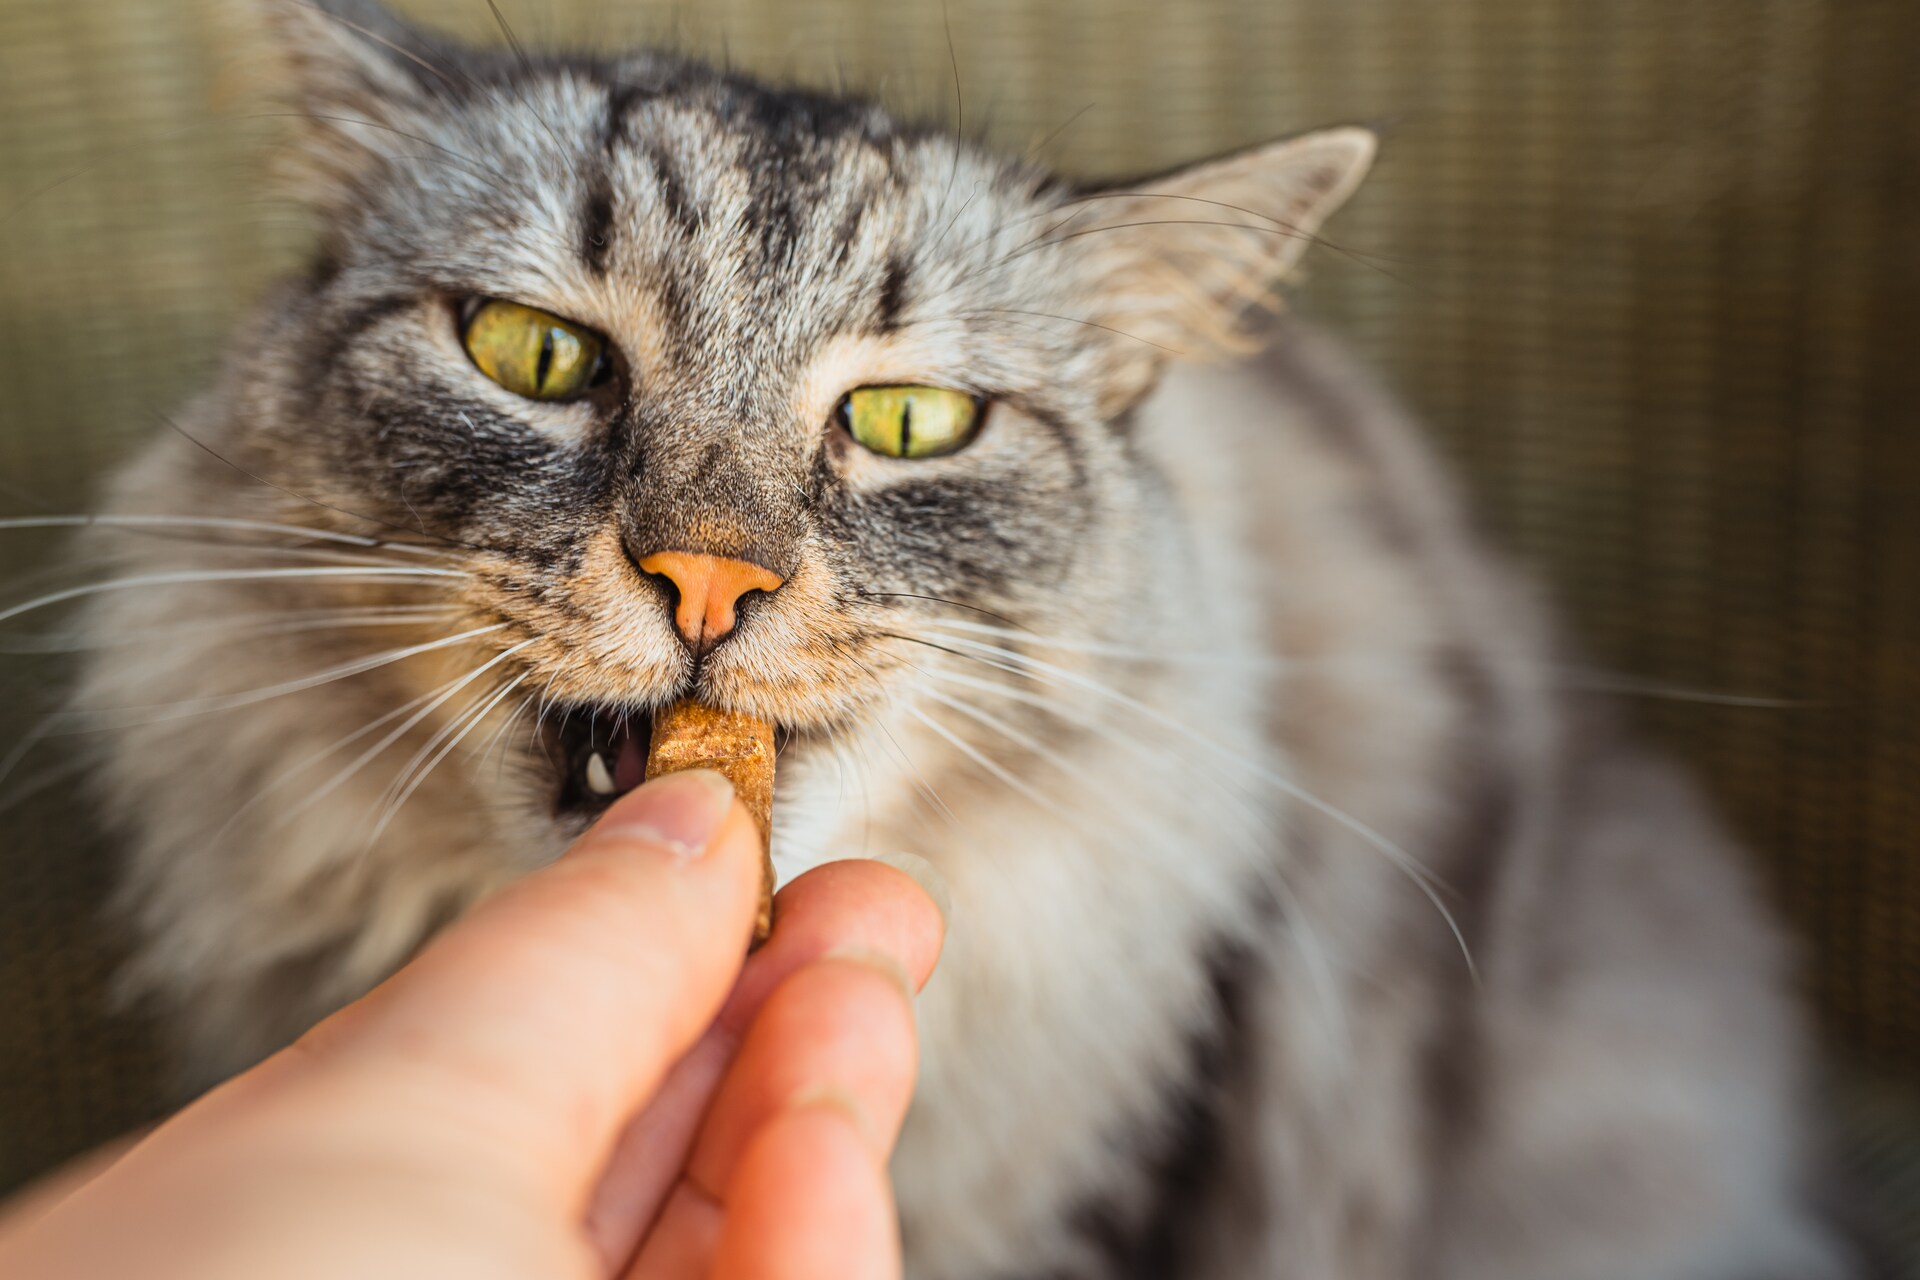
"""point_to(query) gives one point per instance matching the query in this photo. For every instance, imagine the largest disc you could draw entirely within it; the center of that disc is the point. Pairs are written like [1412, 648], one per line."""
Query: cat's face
[716, 268]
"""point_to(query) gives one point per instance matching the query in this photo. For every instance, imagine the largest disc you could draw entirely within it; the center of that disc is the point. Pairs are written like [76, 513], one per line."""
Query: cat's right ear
[362, 82]
[1183, 261]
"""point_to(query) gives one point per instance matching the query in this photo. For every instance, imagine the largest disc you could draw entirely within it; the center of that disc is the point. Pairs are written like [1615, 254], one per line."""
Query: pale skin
[580, 1079]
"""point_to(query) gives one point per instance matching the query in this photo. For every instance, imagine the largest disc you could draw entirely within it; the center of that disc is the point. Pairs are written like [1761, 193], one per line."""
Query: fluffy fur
[1300, 929]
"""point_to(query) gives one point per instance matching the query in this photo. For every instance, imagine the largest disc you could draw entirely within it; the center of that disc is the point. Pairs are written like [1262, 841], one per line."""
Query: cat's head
[713, 387]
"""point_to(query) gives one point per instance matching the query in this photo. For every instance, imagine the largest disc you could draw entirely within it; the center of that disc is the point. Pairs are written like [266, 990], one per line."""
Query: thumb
[552, 1012]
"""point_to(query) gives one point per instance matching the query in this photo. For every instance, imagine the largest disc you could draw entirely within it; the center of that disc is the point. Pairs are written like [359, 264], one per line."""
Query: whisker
[909, 595]
[188, 578]
[1039, 148]
[43, 781]
[499, 738]
[215, 454]
[1286, 901]
[243, 627]
[311, 798]
[917, 775]
[472, 723]
[526, 63]
[212, 522]
[1094, 648]
[439, 698]
[1422, 878]
[991, 767]
[1571, 677]
[24, 747]
[1587, 681]
[1090, 324]
[230, 702]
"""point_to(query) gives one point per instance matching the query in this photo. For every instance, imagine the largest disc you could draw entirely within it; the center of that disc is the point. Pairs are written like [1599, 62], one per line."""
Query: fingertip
[923, 932]
[894, 911]
[927, 876]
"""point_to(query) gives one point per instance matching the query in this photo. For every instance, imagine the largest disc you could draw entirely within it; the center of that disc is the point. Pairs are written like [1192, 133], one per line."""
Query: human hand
[580, 1079]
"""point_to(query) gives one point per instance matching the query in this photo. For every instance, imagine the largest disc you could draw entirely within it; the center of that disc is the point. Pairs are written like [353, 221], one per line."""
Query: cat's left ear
[1182, 261]
[363, 83]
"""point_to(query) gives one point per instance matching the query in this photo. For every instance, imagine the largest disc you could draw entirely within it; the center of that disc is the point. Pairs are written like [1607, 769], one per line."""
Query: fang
[599, 778]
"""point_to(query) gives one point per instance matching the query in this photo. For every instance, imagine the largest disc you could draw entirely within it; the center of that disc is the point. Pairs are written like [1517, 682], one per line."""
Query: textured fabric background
[1651, 270]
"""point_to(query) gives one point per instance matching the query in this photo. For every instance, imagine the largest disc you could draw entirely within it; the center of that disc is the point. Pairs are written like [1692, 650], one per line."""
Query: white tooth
[599, 779]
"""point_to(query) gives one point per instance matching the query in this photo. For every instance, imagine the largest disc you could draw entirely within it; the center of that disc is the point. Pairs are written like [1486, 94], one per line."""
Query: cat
[1300, 928]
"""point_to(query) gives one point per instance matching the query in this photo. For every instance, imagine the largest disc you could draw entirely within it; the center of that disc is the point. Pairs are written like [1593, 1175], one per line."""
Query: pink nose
[710, 587]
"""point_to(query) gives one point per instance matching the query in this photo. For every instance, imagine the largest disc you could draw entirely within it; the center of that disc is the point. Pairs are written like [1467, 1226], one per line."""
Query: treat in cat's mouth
[693, 735]
[605, 753]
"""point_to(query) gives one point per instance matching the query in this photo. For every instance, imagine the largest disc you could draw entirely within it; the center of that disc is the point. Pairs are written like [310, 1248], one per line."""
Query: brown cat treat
[693, 735]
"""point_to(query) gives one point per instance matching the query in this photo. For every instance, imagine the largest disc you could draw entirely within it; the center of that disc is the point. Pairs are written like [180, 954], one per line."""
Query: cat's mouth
[600, 754]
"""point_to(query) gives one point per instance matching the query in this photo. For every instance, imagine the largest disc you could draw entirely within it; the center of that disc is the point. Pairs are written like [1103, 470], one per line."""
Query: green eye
[533, 354]
[911, 422]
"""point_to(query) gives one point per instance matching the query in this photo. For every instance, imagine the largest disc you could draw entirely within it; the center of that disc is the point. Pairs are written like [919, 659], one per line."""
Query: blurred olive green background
[1650, 268]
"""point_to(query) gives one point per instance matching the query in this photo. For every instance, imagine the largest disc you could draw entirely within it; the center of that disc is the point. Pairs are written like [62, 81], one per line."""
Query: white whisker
[212, 522]
[1313, 954]
[992, 768]
[24, 747]
[44, 780]
[244, 626]
[434, 698]
[355, 574]
[229, 702]
[498, 739]
[1170, 657]
[1422, 878]
[472, 722]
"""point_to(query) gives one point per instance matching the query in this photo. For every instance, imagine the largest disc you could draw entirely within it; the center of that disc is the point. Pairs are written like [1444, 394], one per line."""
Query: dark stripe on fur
[596, 212]
[680, 208]
[971, 536]
[893, 295]
[1453, 1071]
[1062, 432]
[596, 223]
[325, 267]
[847, 230]
[1154, 1237]
[345, 331]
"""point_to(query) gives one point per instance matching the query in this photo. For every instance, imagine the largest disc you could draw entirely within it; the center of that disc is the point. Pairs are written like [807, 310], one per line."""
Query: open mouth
[600, 754]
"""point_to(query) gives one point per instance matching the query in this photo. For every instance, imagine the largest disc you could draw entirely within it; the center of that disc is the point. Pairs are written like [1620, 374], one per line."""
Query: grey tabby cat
[1299, 928]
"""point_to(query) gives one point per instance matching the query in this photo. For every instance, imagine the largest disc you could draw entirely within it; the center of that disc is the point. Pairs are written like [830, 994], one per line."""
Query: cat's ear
[1184, 260]
[362, 81]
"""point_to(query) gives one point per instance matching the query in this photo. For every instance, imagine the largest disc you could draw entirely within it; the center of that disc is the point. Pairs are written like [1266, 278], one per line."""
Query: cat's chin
[600, 753]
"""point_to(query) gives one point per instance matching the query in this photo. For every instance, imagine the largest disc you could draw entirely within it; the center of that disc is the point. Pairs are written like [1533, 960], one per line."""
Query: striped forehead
[723, 232]
[775, 216]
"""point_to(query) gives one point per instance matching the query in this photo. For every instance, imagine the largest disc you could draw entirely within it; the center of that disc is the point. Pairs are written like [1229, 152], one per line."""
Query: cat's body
[1230, 742]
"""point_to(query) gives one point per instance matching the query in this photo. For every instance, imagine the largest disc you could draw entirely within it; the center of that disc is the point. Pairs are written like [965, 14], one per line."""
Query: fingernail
[681, 812]
[927, 876]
